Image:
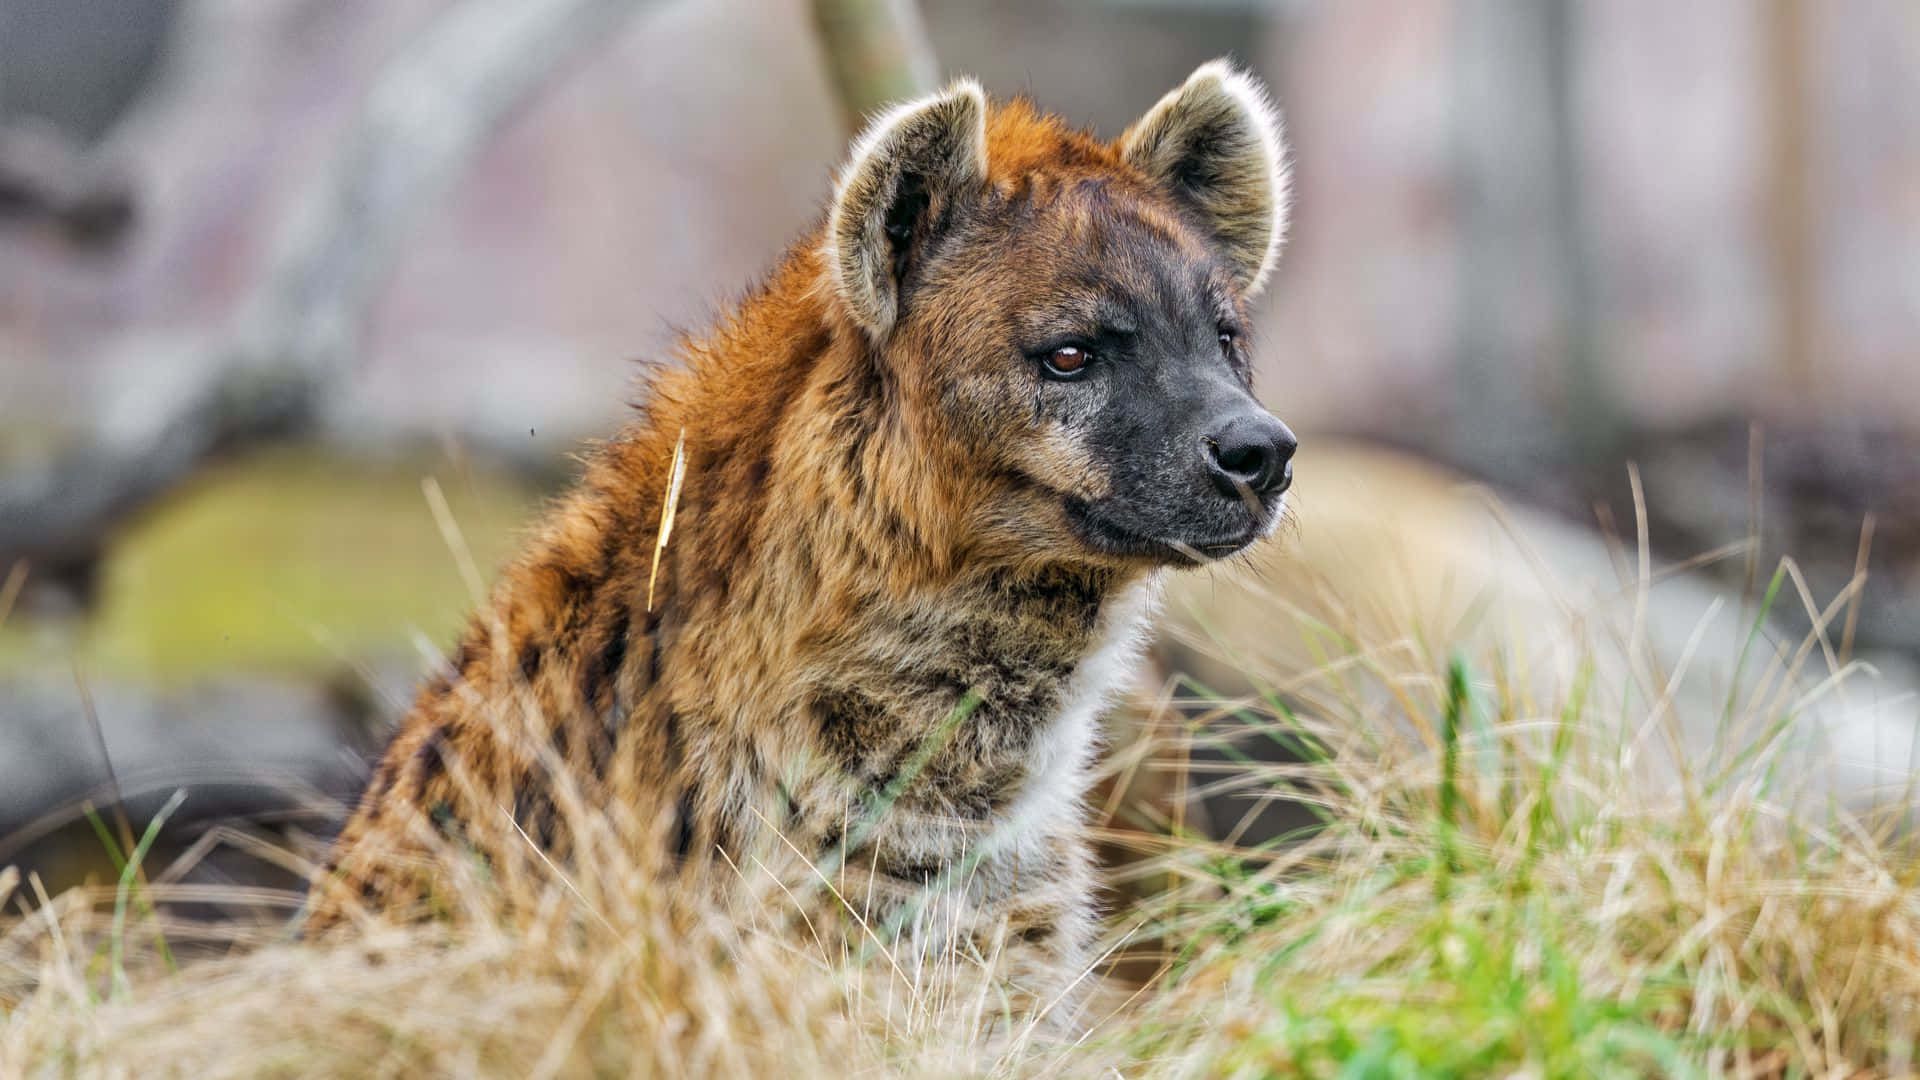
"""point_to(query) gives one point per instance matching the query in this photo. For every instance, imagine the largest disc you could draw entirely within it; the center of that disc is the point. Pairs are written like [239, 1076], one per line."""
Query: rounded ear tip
[1218, 69]
[1231, 78]
[960, 105]
[966, 95]
[966, 86]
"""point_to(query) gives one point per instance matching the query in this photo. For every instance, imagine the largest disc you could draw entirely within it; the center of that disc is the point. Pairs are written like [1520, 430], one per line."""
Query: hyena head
[1063, 321]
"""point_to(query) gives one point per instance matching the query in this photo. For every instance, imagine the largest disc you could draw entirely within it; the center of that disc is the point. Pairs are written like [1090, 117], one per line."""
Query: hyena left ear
[908, 170]
[1217, 144]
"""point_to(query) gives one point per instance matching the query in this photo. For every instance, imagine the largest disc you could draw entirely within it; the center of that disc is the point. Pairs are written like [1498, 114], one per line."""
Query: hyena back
[926, 476]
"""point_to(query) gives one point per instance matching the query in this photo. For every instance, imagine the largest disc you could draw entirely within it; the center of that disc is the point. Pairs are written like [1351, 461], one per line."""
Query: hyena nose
[1251, 452]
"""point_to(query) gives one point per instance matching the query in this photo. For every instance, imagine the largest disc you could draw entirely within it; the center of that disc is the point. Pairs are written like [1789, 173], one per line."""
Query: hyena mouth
[1109, 537]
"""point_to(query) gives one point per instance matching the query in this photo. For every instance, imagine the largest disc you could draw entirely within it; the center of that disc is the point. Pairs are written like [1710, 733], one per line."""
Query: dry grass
[1496, 889]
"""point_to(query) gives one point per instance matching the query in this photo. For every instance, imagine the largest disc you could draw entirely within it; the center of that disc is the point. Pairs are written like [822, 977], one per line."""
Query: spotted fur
[905, 569]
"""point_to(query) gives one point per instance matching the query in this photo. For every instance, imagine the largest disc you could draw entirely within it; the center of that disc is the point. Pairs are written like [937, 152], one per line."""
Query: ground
[1487, 891]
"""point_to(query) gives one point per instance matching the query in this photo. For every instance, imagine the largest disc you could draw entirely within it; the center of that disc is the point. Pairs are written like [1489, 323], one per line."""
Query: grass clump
[1503, 878]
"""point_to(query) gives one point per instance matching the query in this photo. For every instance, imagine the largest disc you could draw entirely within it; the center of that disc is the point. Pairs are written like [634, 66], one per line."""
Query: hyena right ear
[1216, 142]
[907, 171]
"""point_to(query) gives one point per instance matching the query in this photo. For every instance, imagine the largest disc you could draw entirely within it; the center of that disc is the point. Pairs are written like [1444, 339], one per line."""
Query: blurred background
[304, 303]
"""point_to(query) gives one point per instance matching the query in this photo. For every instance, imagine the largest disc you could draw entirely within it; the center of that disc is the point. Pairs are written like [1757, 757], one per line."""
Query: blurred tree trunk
[1527, 319]
[876, 51]
[1591, 412]
[1499, 134]
[1790, 212]
[430, 111]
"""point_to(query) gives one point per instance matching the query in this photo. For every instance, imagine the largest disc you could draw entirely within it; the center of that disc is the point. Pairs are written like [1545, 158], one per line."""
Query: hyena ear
[907, 171]
[1218, 145]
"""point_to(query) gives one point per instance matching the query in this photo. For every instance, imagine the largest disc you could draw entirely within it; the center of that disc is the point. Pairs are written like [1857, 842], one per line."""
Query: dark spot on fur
[599, 752]
[984, 796]
[654, 647]
[617, 538]
[756, 766]
[789, 806]
[530, 655]
[861, 396]
[379, 784]
[683, 825]
[856, 470]
[897, 532]
[756, 476]
[534, 812]
[444, 819]
[850, 723]
[1037, 934]
[605, 668]
[429, 761]
[592, 752]
[463, 657]
[725, 840]
[915, 873]
[574, 583]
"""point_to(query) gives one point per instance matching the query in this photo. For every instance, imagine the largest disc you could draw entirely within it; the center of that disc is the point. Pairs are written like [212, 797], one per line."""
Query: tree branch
[877, 51]
[423, 121]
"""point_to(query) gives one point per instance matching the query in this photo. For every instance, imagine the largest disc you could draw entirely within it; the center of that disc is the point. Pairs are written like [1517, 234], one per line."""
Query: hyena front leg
[1041, 939]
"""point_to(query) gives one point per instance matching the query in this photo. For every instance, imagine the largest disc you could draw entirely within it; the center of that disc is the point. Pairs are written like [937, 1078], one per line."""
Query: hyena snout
[1249, 454]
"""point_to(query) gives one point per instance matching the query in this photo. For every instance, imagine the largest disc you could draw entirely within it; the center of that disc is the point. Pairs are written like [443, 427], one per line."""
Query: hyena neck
[813, 492]
[819, 603]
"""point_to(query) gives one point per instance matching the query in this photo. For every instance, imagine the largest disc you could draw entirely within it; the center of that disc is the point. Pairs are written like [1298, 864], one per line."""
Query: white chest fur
[1063, 754]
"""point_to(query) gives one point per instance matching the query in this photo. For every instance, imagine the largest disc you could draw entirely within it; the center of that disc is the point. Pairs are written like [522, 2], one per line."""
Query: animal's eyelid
[1066, 341]
[1102, 339]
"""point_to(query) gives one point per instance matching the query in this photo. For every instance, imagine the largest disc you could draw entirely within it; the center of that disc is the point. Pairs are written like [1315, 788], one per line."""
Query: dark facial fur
[1114, 461]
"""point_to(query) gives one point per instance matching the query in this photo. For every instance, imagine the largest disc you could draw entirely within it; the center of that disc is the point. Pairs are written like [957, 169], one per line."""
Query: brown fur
[869, 599]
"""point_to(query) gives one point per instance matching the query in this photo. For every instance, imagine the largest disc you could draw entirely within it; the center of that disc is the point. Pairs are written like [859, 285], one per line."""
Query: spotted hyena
[927, 475]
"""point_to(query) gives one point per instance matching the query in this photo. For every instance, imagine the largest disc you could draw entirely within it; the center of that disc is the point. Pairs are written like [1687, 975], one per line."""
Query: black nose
[1251, 451]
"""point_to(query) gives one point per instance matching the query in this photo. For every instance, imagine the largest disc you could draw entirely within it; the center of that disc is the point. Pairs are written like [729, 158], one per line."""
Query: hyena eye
[1226, 342]
[1066, 362]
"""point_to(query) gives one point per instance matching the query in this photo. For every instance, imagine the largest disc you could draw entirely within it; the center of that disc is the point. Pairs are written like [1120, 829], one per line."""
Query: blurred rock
[1397, 566]
[240, 745]
[1809, 485]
